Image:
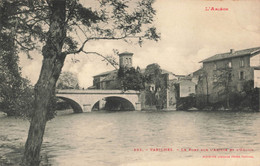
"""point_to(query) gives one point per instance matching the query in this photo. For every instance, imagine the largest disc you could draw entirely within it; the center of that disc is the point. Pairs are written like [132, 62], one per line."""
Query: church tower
[125, 59]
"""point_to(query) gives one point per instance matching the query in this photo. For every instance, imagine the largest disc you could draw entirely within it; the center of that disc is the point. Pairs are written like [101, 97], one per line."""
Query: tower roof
[125, 53]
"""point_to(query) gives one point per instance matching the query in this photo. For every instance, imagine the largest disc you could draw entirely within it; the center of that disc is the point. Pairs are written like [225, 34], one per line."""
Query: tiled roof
[105, 73]
[195, 73]
[111, 76]
[125, 53]
[228, 55]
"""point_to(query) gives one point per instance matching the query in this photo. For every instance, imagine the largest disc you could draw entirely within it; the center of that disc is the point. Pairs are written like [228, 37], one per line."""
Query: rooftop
[125, 53]
[232, 54]
[105, 73]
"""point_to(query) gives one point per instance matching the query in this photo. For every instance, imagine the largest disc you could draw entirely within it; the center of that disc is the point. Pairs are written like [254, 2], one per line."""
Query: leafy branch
[108, 59]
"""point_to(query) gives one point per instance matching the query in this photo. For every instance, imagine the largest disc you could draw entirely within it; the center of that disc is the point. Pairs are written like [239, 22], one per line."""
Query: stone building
[162, 89]
[187, 88]
[109, 80]
[105, 80]
[227, 72]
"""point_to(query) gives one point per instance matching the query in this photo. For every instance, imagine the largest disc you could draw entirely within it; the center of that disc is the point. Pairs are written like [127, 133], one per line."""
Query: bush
[17, 101]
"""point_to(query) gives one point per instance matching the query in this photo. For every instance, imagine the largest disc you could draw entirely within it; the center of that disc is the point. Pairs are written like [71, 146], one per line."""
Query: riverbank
[13, 156]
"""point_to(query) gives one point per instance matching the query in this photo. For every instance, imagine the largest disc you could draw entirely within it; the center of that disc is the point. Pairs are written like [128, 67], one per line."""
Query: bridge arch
[86, 99]
[74, 105]
[115, 103]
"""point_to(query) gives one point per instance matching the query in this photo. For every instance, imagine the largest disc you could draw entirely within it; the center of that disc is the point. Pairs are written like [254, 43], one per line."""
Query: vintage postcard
[130, 82]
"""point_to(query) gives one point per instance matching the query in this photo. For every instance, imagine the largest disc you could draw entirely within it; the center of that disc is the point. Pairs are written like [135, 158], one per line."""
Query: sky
[189, 34]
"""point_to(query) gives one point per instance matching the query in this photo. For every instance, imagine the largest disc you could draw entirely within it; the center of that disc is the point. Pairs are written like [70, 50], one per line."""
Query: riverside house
[228, 72]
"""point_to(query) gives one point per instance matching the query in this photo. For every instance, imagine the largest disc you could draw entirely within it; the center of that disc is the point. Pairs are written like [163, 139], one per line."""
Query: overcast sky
[189, 34]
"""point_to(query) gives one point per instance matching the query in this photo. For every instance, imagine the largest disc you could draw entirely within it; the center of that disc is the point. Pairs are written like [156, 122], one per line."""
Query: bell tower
[125, 59]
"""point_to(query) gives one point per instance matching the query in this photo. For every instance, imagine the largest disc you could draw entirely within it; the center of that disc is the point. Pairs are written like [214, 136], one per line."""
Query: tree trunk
[45, 87]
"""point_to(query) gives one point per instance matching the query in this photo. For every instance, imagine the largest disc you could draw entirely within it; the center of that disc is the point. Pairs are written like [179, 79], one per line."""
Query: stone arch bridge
[87, 100]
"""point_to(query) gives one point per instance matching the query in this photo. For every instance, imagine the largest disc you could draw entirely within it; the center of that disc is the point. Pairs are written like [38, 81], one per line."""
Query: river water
[143, 138]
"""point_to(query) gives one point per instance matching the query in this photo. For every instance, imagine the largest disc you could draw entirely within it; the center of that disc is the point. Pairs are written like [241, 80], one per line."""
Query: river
[143, 138]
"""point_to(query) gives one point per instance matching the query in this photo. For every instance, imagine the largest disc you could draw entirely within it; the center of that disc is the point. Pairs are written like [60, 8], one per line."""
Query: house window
[152, 88]
[242, 75]
[242, 62]
[189, 89]
[229, 64]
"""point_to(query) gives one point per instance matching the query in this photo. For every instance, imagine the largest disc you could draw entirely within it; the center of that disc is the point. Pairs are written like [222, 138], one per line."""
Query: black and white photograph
[129, 82]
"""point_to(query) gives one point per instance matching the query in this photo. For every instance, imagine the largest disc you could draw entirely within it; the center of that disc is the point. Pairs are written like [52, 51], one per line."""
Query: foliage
[113, 20]
[223, 77]
[250, 96]
[153, 77]
[245, 100]
[17, 101]
[121, 72]
[202, 90]
[16, 93]
[248, 86]
[222, 81]
[67, 80]
[131, 79]
[153, 73]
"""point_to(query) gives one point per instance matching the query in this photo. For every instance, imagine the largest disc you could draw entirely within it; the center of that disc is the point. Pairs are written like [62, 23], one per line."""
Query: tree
[131, 79]
[154, 77]
[222, 82]
[203, 84]
[55, 24]
[16, 97]
[67, 80]
[250, 96]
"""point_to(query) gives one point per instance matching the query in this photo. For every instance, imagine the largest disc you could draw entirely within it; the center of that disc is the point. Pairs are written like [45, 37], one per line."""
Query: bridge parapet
[87, 98]
[96, 91]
